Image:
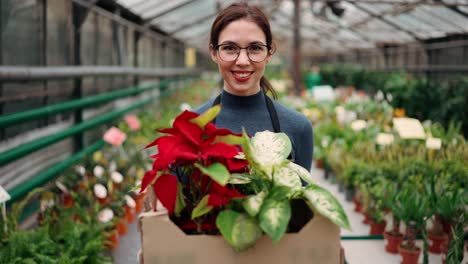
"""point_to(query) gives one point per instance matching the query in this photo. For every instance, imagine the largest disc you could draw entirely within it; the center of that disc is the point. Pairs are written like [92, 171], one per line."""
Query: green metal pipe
[41, 112]
[29, 147]
[52, 171]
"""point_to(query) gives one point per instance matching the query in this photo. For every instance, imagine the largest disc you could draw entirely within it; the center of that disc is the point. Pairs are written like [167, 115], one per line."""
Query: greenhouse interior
[107, 157]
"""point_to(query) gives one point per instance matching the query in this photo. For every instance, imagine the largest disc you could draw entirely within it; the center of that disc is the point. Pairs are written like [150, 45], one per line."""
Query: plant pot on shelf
[377, 228]
[357, 204]
[393, 242]
[319, 163]
[121, 225]
[129, 214]
[366, 218]
[112, 239]
[139, 200]
[436, 242]
[410, 256]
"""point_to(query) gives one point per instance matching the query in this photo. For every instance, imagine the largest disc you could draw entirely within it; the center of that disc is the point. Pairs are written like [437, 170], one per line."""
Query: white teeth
[242, 75]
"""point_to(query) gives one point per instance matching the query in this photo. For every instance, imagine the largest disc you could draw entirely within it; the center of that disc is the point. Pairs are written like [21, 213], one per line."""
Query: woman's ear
[213, 54]
[270, 53]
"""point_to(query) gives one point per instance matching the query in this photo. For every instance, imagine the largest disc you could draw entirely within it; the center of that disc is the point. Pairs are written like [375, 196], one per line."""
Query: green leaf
[239, 230]
[301, 172]
[216, 171]
[180, 202]
[202, 207]
[323, 202]
[285, 176]
[207, 116]
[238, 178]
[253, 203]
[274, 218]
[229, 139]
[270, 149]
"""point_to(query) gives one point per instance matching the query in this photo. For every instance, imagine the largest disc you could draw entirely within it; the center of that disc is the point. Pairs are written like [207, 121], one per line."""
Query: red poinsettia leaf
[236, 164]
[225, 191]
[147, 179]
[165, 189]
[219, 149]
[172, 148]
[211, 130]
[215, 200]
[170, 130]
[191, 132]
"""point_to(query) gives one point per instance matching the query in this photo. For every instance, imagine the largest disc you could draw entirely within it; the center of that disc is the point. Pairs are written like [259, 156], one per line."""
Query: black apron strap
[271, 110]
[273, 116]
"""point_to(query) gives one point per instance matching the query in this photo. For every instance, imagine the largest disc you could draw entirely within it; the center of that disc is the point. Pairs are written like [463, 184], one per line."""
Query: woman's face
[241, 76]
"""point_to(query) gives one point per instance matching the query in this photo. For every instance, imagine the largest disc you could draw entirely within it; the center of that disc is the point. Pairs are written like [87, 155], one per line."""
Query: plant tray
[163, 243]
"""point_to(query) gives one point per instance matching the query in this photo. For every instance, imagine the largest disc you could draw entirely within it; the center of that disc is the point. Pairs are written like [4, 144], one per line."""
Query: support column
[297, 49]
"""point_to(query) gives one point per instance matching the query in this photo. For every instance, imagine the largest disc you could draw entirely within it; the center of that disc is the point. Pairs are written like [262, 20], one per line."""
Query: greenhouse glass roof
[325, 25]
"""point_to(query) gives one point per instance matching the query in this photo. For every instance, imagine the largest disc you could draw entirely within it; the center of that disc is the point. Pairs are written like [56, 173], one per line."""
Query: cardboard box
[163, 243]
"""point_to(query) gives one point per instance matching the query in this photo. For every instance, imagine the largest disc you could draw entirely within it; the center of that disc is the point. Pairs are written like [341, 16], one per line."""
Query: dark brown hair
[239, 11]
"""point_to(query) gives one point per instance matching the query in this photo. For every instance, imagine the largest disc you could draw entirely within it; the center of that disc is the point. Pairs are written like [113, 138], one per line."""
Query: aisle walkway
[356, 251]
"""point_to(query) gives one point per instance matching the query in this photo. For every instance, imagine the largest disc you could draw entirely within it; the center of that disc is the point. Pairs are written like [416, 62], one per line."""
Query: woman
[241, 45]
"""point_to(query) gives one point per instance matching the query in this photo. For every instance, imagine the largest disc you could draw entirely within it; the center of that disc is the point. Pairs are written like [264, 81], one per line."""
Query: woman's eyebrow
[234, 43]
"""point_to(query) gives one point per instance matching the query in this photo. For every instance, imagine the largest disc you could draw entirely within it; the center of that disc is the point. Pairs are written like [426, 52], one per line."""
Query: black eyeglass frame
[240, 48]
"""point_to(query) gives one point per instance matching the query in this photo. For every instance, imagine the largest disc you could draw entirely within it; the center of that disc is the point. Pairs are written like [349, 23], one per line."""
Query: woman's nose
[243, 58]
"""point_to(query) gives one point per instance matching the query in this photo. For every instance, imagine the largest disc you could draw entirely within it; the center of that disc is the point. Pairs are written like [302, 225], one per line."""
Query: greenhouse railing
[25, 74]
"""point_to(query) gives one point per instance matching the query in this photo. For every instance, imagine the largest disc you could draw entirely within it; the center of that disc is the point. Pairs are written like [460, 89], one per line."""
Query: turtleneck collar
[250, 102]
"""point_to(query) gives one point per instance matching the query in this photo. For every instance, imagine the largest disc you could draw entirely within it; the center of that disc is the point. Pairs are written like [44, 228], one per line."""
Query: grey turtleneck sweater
[251, 112]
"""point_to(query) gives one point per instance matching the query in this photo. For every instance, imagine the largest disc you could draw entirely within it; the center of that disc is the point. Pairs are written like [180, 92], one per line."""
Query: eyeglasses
[230, 52]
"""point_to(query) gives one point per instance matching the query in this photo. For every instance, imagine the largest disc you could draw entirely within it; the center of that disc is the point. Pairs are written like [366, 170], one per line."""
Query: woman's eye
[229, 48]
[256, 47]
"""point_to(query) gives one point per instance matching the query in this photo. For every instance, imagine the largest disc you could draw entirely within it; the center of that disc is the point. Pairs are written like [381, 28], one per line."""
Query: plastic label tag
[433, 143]
[4, 196]
[409, 128]
[384, 139]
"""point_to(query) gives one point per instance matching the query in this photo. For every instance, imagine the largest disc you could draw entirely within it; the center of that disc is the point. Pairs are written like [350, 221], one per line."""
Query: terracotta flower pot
[112, 240]
[377, 228]
[121, 225]
[357, 204]
[409, 256]
[393, 242]
[366, 218]
[319, 163]
[129, 214]
[437, 240]
[139, 200]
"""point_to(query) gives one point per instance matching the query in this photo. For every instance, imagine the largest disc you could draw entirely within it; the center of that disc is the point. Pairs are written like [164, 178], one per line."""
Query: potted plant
[394, 237]
[242, 195]
[414, 208]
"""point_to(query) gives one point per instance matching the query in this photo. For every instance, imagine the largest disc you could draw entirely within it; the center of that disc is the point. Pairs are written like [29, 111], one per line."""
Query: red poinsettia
[194, 141]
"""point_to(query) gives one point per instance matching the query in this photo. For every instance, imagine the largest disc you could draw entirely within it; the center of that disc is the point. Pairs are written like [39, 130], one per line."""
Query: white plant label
[112, 166]
[80, 170]
[4, 196]
[409, 128]
[105, 215]
[98, 171]
[100, 191]
[62, 187]
[116, 177]
[130, 202]
[384, 139]
[358, 125]
[433, 143]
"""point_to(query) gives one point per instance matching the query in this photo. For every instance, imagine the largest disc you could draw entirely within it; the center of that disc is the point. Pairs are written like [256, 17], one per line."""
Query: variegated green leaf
[270, 149]
[239, 230]
[216, 171]
[301, 172]
[253, 203]
[238, 178]
[202, 207]
[207, 116]
[323, 202]
[274, 217]
[285, 176]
